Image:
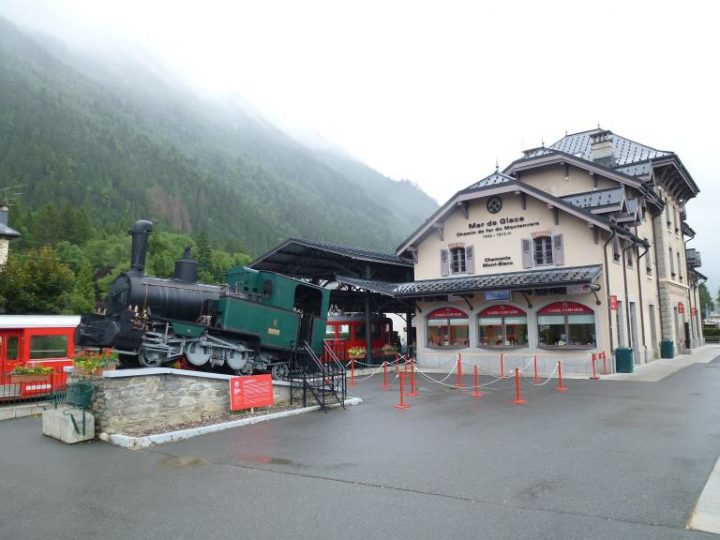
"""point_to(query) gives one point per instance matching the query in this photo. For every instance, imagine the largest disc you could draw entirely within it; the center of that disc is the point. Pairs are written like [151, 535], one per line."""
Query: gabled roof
[611, 199]
[508, 185]
[525, 280]
[492, 180]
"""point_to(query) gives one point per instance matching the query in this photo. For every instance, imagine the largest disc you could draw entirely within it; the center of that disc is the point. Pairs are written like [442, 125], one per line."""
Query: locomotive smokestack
[140, 233]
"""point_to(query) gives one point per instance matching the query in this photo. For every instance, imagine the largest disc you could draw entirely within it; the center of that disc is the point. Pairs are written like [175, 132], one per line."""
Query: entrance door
[9, 354]
[306, 328]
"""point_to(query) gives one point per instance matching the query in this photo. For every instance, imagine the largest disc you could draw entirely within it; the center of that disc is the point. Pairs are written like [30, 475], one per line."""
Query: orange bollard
[518, 399]
[402, 404]
[502, 365]
[352, 372]
[560, 387]
[535, 375]
[385, 385]
[594, 369]
[604, 371]
[459, 372]
[413, 389]
[476, 392]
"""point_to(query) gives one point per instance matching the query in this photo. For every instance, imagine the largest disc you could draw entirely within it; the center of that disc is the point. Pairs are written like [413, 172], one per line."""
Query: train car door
[9, 353]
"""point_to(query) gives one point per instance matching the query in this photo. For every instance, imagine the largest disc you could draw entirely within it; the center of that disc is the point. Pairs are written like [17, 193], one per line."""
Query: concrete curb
[21, 411]
[706, 515]
[135, 443]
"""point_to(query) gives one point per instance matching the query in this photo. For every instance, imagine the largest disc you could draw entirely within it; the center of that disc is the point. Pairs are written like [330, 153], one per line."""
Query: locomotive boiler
[256, 321]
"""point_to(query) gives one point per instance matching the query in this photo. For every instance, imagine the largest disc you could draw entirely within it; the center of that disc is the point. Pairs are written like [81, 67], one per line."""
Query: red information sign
[564, 308]
[250, 391]
[613, 302]
[681, 307]
[447, 313]
[693, 311]
[501, 310]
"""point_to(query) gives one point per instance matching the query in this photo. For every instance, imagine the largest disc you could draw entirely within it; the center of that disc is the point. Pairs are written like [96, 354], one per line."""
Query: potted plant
[356, 352]
[28, 374]
[94, 363]
[389, 349]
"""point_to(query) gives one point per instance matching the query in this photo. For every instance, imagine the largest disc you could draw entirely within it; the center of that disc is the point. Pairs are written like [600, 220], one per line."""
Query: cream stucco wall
[499, 235]
[552, 179]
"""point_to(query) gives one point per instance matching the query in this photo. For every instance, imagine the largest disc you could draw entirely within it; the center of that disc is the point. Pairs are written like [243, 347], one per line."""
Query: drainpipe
[627, 301]
[607, 286]
[642, 310]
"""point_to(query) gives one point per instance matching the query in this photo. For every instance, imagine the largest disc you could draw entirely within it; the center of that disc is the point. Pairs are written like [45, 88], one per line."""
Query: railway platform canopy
[322, 263]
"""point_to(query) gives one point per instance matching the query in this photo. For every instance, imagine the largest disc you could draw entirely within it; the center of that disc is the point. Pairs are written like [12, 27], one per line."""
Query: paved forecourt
[607, 459]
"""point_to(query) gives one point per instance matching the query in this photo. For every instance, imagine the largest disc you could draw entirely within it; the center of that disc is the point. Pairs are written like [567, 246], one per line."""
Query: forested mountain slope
[115, 142]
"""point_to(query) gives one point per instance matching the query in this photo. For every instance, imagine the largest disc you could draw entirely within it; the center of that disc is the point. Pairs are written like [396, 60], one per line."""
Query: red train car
[345, 335]
[32, 341]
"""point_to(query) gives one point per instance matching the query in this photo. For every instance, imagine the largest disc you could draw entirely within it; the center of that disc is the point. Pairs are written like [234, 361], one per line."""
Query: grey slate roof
[625, 151]
[350, 252]
[493, 180]
[7, 232]
[597, 199]
[531, 279]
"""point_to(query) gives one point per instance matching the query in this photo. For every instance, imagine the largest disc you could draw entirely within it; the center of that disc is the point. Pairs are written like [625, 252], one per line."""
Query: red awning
[565, 308]
[502, 310]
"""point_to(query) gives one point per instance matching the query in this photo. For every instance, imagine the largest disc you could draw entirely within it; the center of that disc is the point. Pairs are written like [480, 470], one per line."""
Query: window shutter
[558, 250]
[527, 256]
[444, 263]
[616, 248]
[469, 260]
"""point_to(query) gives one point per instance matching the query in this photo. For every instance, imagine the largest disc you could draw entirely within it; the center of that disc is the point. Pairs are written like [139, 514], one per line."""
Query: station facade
[574, 248]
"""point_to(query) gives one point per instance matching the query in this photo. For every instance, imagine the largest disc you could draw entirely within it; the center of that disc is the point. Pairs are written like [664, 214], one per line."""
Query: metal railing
[18, 389]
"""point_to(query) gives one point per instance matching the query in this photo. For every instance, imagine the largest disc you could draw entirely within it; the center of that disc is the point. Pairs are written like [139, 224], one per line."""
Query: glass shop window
[502, 326]
[48, 347]
[566, 324]
[447, 327]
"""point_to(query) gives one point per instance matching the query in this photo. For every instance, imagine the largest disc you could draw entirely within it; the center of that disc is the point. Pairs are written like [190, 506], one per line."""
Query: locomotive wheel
[149, 359]
[197, 355]
[280, 372]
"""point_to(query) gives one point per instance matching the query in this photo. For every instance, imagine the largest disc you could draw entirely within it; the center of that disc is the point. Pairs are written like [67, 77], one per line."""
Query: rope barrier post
[476, 392]
[594, 369]
[459, 372]
[535, 374]
[402, 404]
[502, 365]
[385, 385]
[518, 399]
[413, 389]
[560, 387]
[604, 359]
[352, 372]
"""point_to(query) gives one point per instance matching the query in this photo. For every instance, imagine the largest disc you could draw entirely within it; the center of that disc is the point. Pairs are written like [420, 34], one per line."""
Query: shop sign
[613, 302]
[681, 307]
[502, 310]
[447, 313]
[693, 312]
[565, 308]
[250, 391]
[493, 296]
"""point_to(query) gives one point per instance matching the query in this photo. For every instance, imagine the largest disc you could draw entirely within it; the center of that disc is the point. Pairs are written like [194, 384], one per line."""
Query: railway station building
[574, 248]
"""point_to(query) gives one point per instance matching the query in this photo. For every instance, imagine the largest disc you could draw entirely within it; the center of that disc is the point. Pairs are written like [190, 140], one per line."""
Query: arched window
[502, 326]
[543, 250]
[447, 327]
[566, 324]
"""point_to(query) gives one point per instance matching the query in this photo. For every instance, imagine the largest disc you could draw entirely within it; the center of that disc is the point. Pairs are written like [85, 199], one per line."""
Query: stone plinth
[58, 424]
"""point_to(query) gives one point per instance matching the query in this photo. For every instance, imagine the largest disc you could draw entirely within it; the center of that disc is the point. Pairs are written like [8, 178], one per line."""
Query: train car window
[359, 330]
[12, 348]
[330, 330]
[267, 288]
[48, 347]
[344, 331]
[376, 333]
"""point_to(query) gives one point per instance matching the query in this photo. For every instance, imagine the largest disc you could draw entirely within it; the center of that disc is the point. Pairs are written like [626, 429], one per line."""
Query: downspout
[607, 287]
[642, 309]
[657, 280]
[627, 301]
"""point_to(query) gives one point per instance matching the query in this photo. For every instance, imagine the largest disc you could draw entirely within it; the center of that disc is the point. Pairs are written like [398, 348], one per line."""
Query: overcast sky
[437, 92]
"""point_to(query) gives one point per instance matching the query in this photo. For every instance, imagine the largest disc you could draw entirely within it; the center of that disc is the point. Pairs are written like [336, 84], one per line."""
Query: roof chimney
[601, 150]
[4, 214]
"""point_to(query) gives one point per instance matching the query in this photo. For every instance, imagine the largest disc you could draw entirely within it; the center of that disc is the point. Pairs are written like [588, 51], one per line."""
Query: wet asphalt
[603, 460]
